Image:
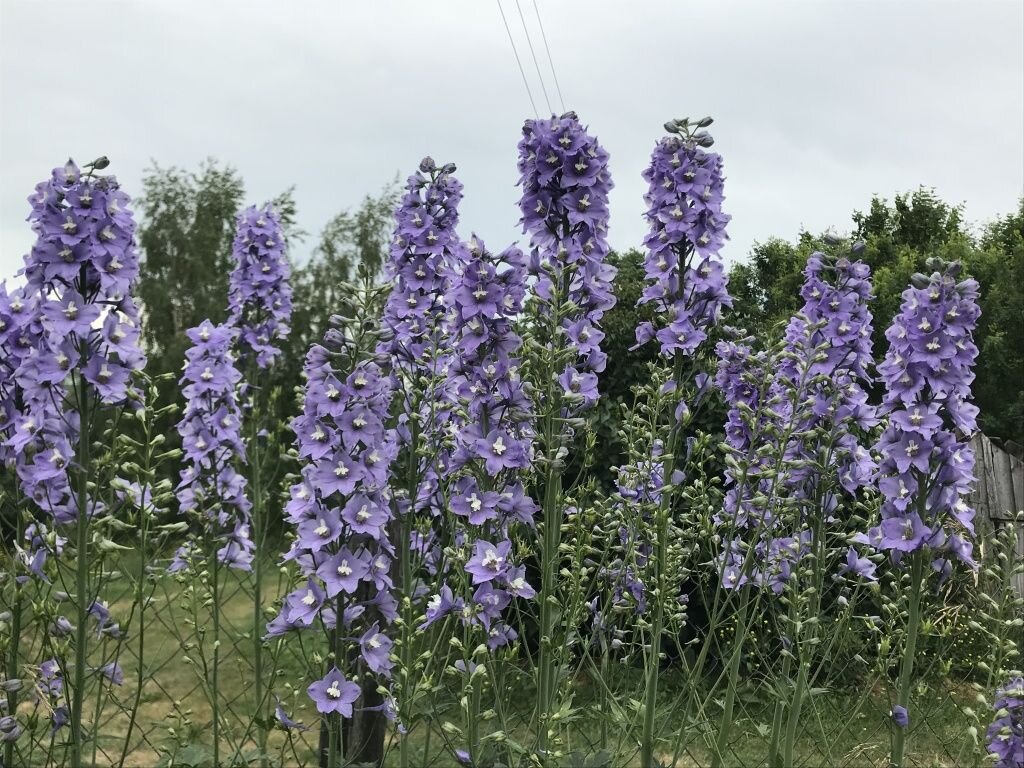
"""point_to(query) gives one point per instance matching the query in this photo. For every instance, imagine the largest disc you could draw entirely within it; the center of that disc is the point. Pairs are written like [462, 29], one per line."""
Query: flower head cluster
[341, 510]
[1006, 733]
[686, 281]
[565, 180]
[74, 317]
[926, 470]
[211, 485]
[493, 441]
[259, 295]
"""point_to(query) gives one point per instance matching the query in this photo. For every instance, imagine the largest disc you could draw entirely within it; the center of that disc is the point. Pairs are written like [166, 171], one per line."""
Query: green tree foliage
[187, 225]
[899, 237]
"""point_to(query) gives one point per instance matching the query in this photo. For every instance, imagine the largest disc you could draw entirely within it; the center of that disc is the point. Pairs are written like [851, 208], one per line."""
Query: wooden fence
[999, 492]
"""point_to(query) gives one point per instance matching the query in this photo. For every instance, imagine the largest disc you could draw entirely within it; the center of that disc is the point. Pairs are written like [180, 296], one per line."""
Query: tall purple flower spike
[686, 281]
[565, 180]
[926, 468]
[259, 294]
[341, 509]
[687, 286]
[485, 295]
[424, 250]
[830, 338]
[75, 312]
[211, 442]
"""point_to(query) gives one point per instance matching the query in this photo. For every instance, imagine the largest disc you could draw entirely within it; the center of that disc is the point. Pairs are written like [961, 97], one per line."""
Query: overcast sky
[817, 105]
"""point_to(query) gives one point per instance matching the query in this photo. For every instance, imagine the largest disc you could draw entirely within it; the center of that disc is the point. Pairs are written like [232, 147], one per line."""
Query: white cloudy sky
[818, 104]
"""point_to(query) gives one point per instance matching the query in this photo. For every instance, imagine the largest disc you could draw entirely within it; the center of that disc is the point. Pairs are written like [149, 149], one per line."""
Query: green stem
[725, 727]
[215, 698]
[81, 571]
[13, 665]
[775, 751]
[907, 665]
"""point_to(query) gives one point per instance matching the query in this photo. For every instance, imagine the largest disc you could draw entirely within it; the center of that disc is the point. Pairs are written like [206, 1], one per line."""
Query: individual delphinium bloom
[334, 693]
[211, 486]
[1005, 736]
[259, 294]
[926, 468]
[341, 509]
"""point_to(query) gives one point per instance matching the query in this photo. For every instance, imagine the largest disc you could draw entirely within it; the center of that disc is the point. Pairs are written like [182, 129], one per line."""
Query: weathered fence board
[999, 492]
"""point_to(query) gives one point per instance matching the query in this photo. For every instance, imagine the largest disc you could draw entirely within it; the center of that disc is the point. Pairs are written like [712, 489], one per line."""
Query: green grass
[174, 719]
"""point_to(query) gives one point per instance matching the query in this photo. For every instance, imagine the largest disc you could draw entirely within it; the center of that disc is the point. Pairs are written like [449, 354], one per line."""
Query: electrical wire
[536, 65]
[551, 61]
[518, 62]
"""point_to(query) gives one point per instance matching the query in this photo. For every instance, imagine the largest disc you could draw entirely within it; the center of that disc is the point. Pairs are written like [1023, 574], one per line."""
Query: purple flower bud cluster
[259, 295]
[211, 485]
[341, 511]
[1006, 733]
[493, 443]
[686, 281]
[565, 180]
[926, 470]
[74, 315]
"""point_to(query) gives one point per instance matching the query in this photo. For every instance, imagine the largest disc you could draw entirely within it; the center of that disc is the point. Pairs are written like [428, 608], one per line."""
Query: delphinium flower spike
[424, 249]
[259, 294]
[927, 466]
[75, 362]
[340, 510]
[487, 502]
[926, 469]
[564, 204]
[211, 485]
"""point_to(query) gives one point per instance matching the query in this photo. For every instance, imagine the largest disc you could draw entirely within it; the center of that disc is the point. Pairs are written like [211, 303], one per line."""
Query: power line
[518, 62]
[529, 42]
[550, 60]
